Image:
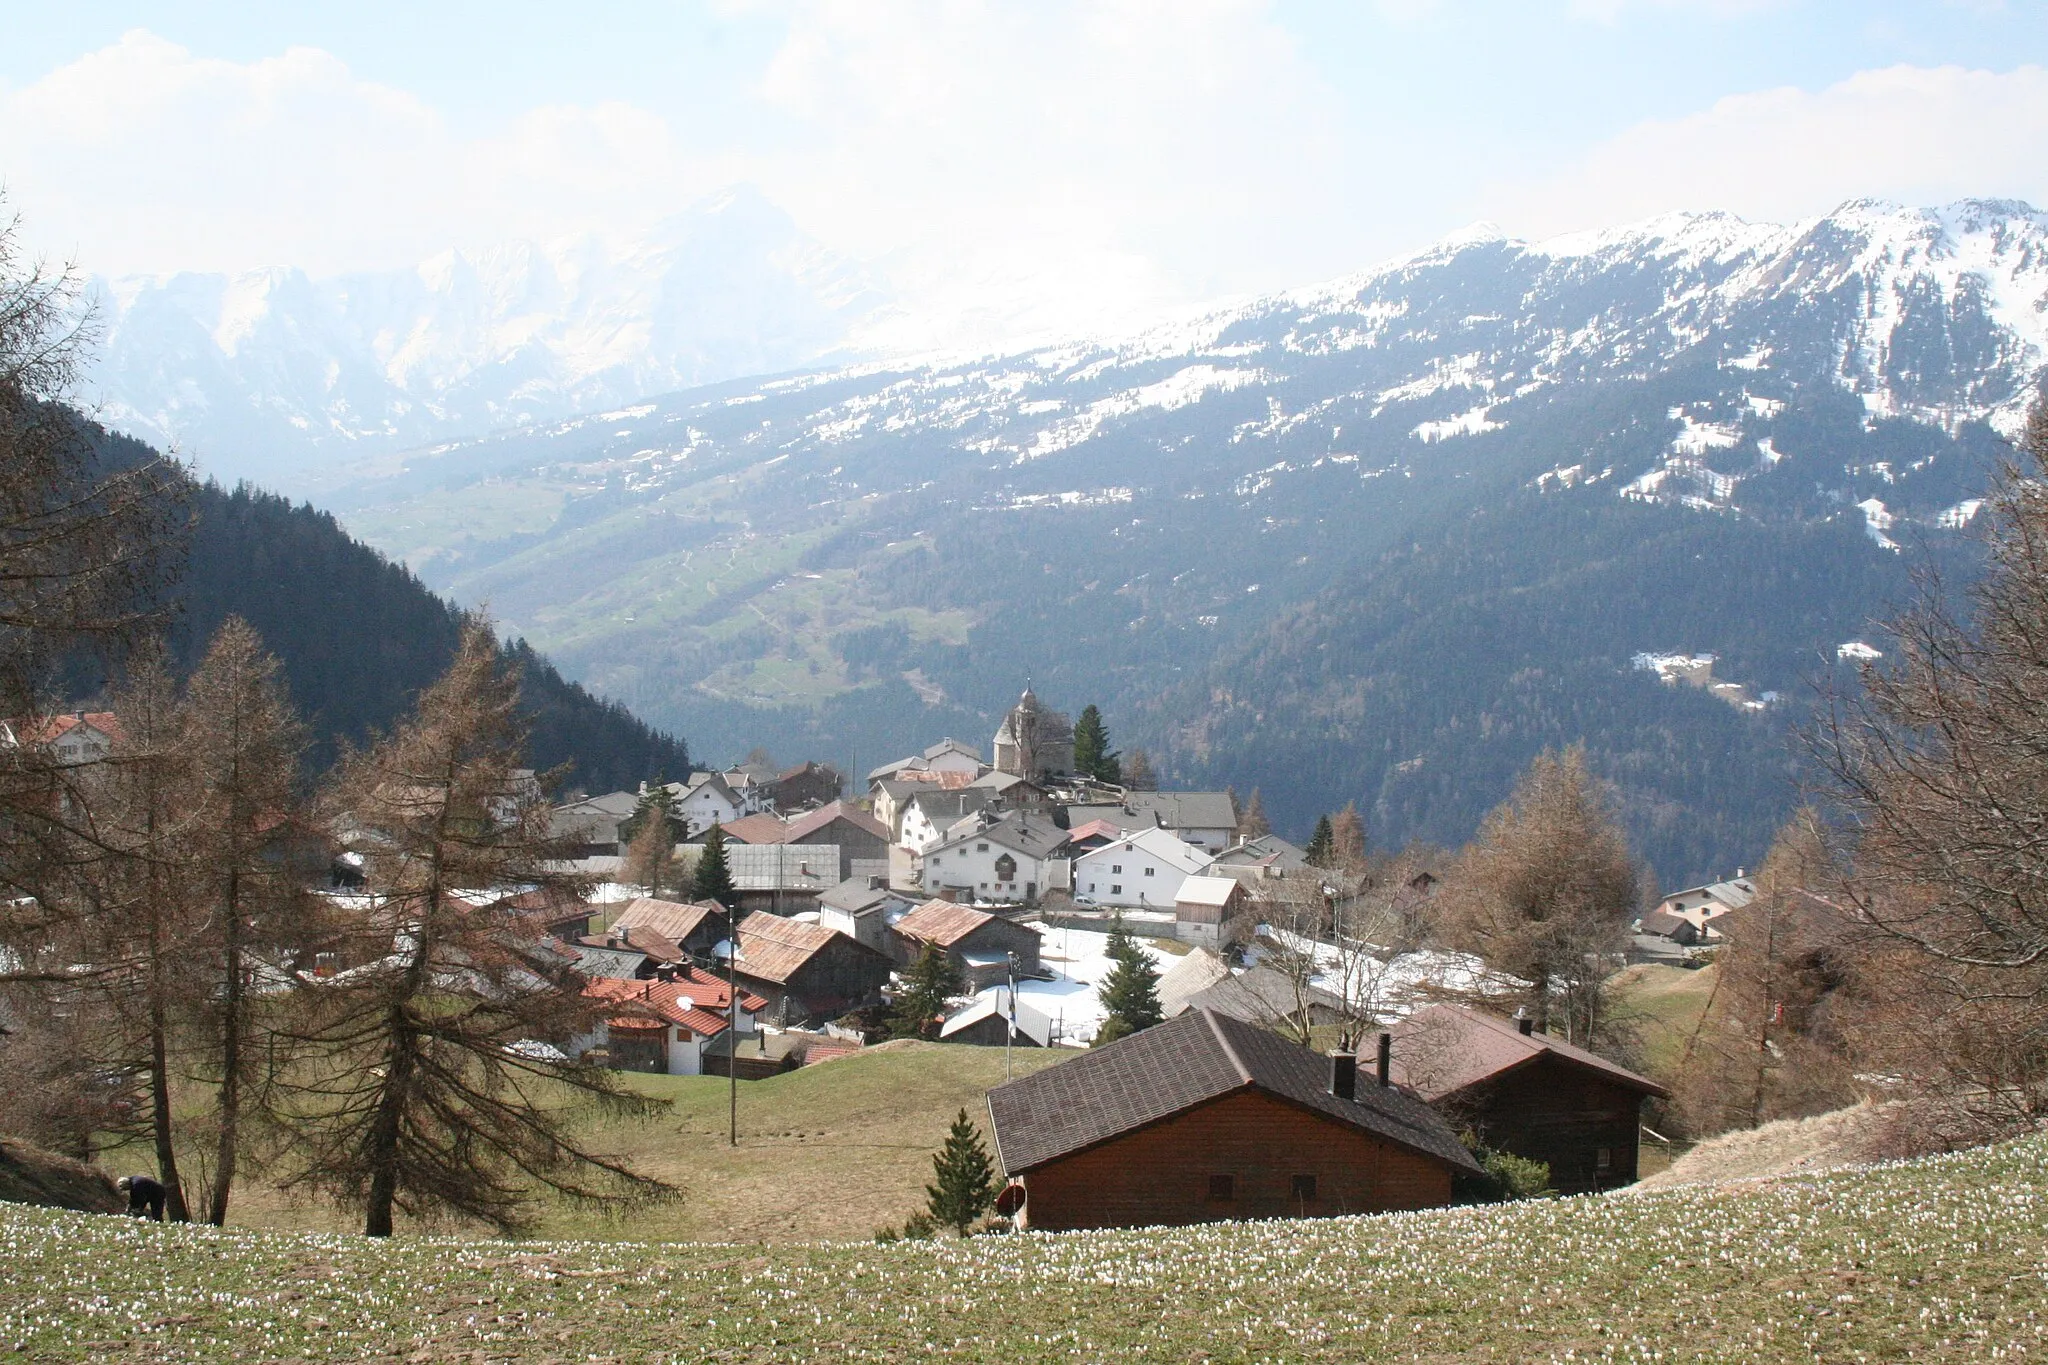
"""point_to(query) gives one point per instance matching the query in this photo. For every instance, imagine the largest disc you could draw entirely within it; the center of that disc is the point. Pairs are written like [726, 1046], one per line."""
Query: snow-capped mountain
[272, 374]
[1402, 527]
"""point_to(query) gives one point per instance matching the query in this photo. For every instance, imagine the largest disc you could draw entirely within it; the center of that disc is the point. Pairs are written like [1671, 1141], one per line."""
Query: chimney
[877, 883]
[1525, 1024]
[1386, 1058]
[1343, 1074]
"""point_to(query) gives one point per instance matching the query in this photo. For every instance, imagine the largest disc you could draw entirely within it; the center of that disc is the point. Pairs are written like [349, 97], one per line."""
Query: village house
[782, 879]
[705, 800]
[1693, 916]
[694, 927]
[802, 787]
[858, 836]
[931, 812]
[1270, 999]
[590, 826]
[986, 1023]
[947, 756]
[1205, 1118]
[663, 1026]
[1268, 851]
[981, 945]
[1009, 859]
[1206, 819]
[1141, 870]
[1526, 1092]
[806, 971]
[1193, 971]
[1210, 912]
[72, 738]
[863, 908]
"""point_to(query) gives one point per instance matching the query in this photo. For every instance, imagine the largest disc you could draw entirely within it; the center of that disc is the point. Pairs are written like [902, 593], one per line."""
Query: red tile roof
[49, 729]
[695, 1000]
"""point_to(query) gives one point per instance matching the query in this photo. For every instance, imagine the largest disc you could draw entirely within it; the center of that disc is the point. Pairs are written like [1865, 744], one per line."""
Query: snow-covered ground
[1079, 961]
[1394, 987]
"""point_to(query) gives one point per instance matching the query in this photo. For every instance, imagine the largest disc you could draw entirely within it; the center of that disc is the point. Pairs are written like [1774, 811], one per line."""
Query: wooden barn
[979, 943]
[1207, 1118]
[1527, 1093]
[806, 971]
[694, 927]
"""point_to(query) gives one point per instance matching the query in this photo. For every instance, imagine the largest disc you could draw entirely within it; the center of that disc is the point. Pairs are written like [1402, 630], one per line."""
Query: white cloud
[1920, 135]
[143, 156]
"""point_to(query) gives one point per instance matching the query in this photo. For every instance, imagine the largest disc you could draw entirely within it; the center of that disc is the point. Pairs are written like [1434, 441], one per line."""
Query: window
[1150, 870]
[1304, 1189]
[1091, 886]
[1223, 1187]
[981, 848]
[1604, 1158]
[1116, 890]
[1116, 868]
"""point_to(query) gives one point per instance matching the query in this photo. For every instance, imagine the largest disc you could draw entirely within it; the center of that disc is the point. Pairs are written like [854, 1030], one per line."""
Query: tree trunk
[383, 1143]
[230, 1055]
[160, 1086]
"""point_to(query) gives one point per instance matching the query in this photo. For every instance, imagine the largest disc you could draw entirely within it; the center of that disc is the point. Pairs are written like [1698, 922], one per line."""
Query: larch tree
[432, 1080]
[1940, 768]
[712, 878]
[1770, 1042]
[651, 852]
[1092, 755]
[1251, 821]
[243, 744]
[1544, 895]
[1347, 839]
[1138, 774]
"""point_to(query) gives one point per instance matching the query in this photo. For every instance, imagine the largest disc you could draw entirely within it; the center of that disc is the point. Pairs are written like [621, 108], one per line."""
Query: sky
[1099, 161]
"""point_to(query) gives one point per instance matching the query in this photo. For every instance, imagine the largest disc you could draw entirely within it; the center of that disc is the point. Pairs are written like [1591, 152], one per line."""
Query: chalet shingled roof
[1442, 1049]
[1174, 1067]
[944, 923]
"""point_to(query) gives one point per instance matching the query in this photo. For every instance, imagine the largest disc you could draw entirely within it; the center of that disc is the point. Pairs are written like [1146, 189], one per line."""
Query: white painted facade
[985, 869]
[1139, 871]
[706, 803]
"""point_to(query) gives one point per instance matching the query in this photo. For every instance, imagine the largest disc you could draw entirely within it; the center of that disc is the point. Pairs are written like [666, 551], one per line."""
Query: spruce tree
[931, 981]
[713, 881]
[1322, 848]
[1092, 755]
[1130, 993]
[965, 1178]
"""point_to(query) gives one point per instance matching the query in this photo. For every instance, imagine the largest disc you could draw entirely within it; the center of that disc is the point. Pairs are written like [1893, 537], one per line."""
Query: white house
[703, 801]
[947, 756]
[1144, 869]
[1008, 859]
[930, 813]
[1208, 819]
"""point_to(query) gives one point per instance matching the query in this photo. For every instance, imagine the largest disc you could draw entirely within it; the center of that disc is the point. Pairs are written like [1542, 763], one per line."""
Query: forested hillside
[358, 636]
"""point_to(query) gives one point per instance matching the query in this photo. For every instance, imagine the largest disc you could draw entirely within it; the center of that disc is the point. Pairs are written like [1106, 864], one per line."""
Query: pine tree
[1138, 774]
[1251, 821]
[931, 981]
[713, 877]
[965, 1178]
[418, 1087]
[1347, 839]
[1322, 848]
[1092, 755]
[1130, 993]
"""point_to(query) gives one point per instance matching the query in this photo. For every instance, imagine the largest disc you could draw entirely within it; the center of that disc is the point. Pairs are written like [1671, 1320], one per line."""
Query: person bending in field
[145, 1197]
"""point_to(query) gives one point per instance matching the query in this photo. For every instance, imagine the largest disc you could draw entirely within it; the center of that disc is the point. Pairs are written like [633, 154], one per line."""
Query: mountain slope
[358, 637]
[275, 376]
[868, 557]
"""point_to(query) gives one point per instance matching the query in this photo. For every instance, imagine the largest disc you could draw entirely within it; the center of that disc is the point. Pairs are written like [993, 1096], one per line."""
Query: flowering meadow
[1944, 1259]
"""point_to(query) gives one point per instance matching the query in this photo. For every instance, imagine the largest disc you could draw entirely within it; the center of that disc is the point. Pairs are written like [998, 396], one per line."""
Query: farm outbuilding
[1527, 1093]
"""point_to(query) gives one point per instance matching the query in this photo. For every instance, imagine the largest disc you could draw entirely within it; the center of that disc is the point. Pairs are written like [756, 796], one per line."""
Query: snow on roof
[1032, 1022]
[1206, 891]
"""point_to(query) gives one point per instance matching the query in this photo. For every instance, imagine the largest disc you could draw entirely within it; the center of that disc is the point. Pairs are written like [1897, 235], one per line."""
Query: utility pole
[1010, 1038]
[732, 1004]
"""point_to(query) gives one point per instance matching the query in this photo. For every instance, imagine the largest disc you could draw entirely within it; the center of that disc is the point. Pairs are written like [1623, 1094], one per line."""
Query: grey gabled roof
[1261, 996]
[1180, 1065]
[943, 807]
[1021, 831]
[1168, 810]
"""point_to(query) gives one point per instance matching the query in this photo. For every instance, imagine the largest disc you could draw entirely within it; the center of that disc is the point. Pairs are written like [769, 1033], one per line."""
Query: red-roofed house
[663, 1026]
[74, 737]
[979, 943]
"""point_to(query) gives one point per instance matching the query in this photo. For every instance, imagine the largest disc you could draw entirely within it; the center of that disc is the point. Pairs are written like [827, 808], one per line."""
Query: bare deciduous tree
[1545, 892]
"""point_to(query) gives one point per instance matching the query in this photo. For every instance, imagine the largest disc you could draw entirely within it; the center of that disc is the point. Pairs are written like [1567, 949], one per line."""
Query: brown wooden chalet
[1526, 1092]
[806, 971]
[979, 943]
[1206, 1118]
